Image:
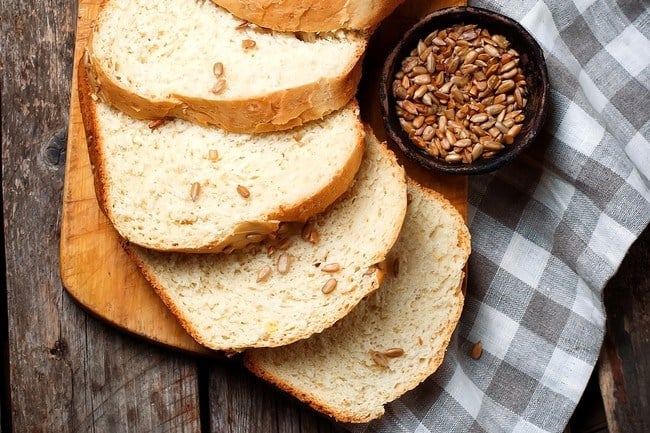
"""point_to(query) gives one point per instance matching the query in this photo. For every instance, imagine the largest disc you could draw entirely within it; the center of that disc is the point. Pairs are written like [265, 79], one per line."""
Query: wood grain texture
[68, 372]
[624, 369]
[241, 403]
[109, 285]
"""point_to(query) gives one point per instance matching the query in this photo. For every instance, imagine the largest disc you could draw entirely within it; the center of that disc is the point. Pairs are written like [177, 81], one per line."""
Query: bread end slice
[351, 370]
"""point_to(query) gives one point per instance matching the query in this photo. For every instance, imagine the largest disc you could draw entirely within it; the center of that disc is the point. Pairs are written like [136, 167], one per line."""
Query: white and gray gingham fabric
[548, 231]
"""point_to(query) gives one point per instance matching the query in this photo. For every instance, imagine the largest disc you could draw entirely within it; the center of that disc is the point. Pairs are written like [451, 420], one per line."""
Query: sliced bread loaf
[193, 60]
[311, 15]
[179, 186]
[302, 282]
[393, 339]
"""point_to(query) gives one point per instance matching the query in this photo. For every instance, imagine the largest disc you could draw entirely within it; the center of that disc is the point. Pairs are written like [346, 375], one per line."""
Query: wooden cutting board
[95, 270]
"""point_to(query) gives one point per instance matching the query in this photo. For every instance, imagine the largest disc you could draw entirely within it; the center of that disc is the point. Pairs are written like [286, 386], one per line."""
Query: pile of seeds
[461, 94]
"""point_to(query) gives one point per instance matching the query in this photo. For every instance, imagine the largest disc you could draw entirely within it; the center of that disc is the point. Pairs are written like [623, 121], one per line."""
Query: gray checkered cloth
[549, 231]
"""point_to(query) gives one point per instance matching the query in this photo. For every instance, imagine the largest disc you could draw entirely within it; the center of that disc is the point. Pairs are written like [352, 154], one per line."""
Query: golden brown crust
[89, 118]
[300, 212]
[274, 111]
[311, 15]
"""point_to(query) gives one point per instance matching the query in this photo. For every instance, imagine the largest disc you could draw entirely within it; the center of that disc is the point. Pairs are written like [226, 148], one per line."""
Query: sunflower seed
[219, 86]
[453, 158]
[506, 86]
[248, 44]
[264, 274]
[394, 352]
[331, 268]
[217, 69]
[195, 191]
[479, 118]
[243, 191]
[418, 122]
[379, 358]
[283, 263]
[154, 124]
[255, 237]
[491, 51]
[477, 350]
[495, 109]
[213, 155]
[314, 237]
[329, 286]
[477, 151]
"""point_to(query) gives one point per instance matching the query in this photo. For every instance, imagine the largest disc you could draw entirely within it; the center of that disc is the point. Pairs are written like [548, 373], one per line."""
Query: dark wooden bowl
[532, 62]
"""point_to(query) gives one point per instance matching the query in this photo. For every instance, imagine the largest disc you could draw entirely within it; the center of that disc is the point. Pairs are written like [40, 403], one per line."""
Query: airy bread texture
[246, 299]
[311, 15]
[163, 189]
[157, 59]
[415, 310]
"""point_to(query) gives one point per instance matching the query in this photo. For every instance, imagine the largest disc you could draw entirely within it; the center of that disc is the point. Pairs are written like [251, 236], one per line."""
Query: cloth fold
[548, 231]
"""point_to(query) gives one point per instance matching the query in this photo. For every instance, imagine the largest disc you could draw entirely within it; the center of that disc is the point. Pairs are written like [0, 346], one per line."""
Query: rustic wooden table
[64, 371]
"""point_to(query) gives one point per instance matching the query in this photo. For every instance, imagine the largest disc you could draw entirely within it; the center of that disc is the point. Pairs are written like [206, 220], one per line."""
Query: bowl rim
[409, 37]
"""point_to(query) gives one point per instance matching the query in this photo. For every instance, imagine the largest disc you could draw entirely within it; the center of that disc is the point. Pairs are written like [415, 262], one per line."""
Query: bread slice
[158, 59]
[246, 299]
[352, 369]
[311, 15]
[162, 189]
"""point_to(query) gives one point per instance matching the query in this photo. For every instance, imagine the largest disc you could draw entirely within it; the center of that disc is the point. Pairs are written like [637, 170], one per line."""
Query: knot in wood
[59, 350]
[54, 152]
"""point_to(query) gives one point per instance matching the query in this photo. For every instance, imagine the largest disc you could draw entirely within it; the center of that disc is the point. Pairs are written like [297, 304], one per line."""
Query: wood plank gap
[624, 366]
[5, 393]
[203, 378]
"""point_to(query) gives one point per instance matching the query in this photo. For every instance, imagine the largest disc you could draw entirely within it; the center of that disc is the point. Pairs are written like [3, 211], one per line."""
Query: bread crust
[311, 15]
[298, 212]
[274, 111]
[464, 245]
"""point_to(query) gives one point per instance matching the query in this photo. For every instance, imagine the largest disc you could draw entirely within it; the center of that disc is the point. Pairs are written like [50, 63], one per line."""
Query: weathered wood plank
[241, 403]
[68, 372]
[625, 357]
